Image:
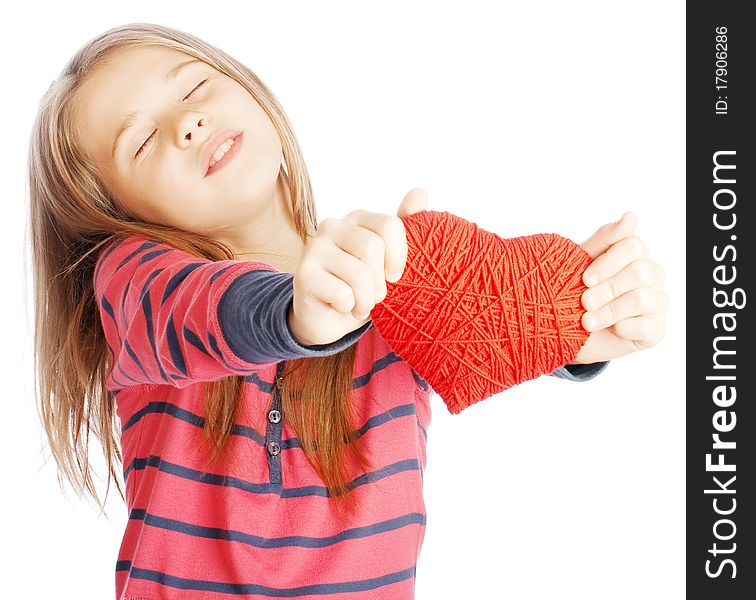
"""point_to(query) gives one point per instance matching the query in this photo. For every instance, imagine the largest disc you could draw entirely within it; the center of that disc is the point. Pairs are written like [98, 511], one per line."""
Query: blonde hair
[73, 216]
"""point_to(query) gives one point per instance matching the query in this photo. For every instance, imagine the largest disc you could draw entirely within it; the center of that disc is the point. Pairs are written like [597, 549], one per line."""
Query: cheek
[264, 137]
[162, 196]
[165, 182]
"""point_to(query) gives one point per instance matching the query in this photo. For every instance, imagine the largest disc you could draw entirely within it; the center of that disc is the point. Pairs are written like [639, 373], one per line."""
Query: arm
[172, 318]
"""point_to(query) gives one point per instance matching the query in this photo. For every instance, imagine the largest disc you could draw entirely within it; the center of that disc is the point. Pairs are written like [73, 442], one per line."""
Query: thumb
[610, 234]
[415, 201]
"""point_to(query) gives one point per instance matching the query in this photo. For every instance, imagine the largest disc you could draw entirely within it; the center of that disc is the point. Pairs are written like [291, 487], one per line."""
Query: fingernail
[591, 322]
[591, 303]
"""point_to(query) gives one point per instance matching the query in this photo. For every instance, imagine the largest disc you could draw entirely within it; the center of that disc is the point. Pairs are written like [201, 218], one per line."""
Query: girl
[193, 317]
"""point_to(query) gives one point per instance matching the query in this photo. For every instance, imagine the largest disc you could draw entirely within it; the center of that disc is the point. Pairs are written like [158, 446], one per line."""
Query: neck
[276, 240]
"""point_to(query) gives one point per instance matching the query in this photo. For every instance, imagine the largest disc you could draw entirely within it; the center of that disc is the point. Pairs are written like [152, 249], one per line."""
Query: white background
[523, 117]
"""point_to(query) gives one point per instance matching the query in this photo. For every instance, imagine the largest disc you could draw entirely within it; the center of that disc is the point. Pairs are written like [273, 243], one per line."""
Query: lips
[211, 145]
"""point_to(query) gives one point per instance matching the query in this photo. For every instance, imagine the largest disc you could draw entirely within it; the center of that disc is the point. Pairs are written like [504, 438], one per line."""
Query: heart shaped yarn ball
[475, 314]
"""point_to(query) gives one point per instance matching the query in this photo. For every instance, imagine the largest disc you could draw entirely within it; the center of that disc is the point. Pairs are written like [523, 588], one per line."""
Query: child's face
[166, 182]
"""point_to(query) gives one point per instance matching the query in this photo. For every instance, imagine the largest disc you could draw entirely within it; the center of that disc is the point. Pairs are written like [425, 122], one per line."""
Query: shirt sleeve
[170, 317]
[580, 372]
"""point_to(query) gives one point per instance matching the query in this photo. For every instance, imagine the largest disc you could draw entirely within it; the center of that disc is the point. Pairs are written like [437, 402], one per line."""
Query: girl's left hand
[626, 305]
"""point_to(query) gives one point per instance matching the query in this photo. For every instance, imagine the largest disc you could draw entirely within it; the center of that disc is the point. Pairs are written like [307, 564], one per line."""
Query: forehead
[125, 82]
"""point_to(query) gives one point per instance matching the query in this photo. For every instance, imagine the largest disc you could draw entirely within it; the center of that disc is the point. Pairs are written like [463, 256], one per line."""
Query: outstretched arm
[172, 318]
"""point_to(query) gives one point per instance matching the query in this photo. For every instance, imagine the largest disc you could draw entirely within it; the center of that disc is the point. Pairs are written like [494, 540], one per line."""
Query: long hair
[73, 216]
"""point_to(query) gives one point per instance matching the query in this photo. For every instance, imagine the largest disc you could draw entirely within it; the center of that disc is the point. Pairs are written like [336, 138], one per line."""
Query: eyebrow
[131, 117]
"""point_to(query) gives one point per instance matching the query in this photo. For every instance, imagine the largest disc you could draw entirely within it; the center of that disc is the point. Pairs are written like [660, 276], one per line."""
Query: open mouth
[228, 156]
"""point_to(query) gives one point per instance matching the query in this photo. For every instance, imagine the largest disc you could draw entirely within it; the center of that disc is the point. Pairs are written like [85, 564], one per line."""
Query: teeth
[222, 149]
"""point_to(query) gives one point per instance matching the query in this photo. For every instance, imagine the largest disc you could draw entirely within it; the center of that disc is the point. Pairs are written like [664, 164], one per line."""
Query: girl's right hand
[344, 269]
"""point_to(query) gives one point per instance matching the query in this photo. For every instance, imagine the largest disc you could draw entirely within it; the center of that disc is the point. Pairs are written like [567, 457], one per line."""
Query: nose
[189, 127]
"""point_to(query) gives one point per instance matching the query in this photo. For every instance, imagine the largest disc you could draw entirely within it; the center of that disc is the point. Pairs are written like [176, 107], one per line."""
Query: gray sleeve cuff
[580, 372]
[253, 317]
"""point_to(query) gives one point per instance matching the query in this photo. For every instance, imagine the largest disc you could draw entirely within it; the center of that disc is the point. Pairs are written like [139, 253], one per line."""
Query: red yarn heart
[475, 314]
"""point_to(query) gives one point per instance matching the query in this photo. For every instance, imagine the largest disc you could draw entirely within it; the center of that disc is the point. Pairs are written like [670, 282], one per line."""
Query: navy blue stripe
[267, 387]
[123, 565]
[174, 281]
[378, 365]
[357, 382]
[251, 433]
[245, 431]
[164, 408]
[133, 356]
[129, 377]
[105, 255]
[153, 461]
[112, 370]
[123, 304]
[410, 464]
[257, 541]
[127, 259]
[420, 425]
[105, 304]
[240, 589]
[174, 345]
[143, 246]
[195, 340]
[147, 309]
[154, 254]
[374, 421]
[402, 410]
[214, 345]
[220, 272]
[118, 383]
[193, 419]
[419, 380]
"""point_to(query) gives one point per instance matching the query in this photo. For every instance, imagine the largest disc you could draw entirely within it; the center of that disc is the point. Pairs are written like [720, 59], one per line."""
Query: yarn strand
[475, 314]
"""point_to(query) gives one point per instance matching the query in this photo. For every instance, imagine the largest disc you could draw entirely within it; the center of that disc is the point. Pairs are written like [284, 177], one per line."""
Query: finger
[337, 293]
[358, 297]
[646, 330]
[415, 201]
[661, 274]
[368, 247]
[613, 260]
[333, 289]
[391, 230]
[640, 273]
[635, 303]
[609, 234]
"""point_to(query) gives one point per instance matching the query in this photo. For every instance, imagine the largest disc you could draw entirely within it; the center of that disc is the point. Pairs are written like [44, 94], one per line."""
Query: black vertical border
[707, 133]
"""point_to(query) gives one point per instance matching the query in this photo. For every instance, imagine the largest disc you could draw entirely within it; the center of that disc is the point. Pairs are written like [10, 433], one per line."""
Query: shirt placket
[275, 425]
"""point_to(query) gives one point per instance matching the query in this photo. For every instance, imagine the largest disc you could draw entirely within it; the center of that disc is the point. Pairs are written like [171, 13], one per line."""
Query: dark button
[274, 416]
[274, 448]
[279, 382]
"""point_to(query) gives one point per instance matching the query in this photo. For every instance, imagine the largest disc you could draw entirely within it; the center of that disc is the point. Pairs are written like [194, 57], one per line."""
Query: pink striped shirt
[258, 523]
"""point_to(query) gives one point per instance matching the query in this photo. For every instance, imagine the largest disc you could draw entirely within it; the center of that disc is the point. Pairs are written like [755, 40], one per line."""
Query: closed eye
[147, 141]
